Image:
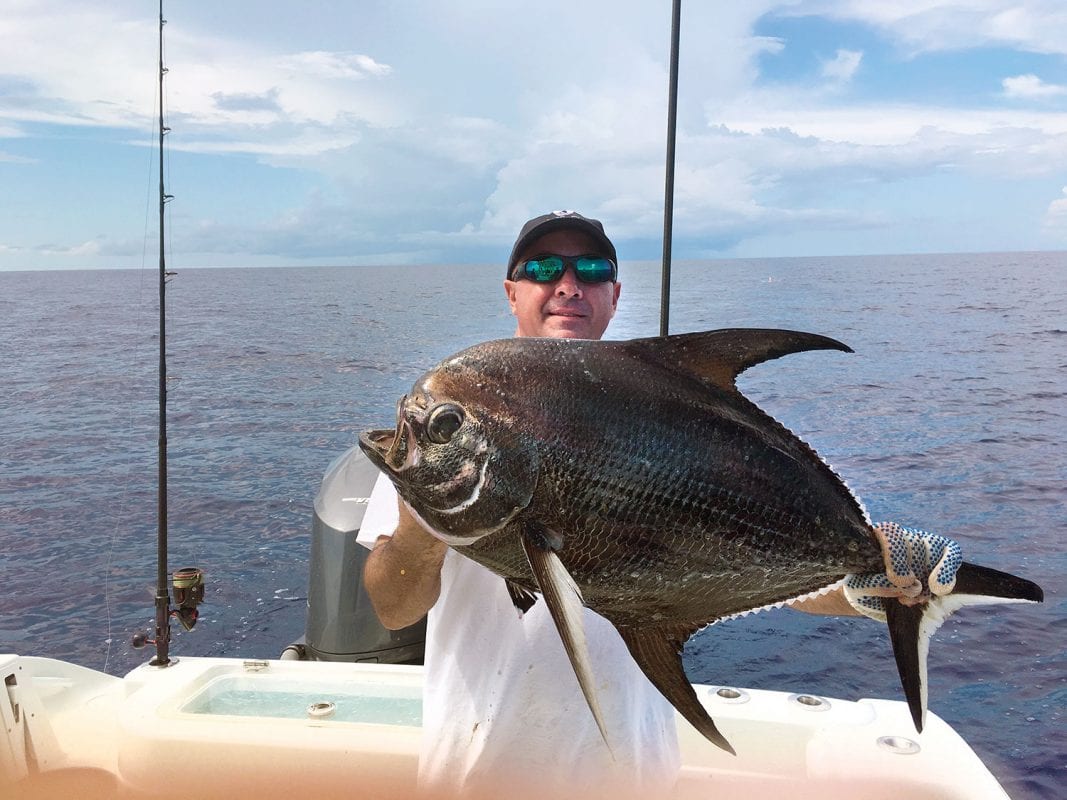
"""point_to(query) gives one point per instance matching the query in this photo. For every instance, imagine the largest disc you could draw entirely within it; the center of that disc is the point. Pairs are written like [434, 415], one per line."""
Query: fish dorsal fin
[718, 357]
[715, 359]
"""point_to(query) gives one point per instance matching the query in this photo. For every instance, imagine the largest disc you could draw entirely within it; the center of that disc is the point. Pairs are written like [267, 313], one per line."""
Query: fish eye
[443, 423]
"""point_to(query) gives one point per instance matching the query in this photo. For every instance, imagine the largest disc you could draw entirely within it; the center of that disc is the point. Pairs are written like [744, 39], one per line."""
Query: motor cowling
[341, 622]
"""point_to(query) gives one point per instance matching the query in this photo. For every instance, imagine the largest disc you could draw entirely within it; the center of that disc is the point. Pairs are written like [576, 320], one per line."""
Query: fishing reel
[188, 585]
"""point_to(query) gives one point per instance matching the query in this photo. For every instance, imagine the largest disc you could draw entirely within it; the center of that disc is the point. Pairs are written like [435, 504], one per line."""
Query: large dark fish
[633, 477]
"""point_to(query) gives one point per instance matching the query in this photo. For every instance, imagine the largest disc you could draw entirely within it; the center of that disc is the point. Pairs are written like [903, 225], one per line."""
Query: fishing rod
[188, 582]
[668, 193]
[162, 640]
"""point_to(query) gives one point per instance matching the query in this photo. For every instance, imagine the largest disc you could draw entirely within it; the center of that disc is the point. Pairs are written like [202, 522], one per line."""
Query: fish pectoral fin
[564, 600]
[658, 652]
[521, 597]
[912, 626]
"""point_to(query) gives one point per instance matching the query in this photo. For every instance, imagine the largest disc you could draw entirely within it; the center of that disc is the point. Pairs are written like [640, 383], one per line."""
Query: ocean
[951, 416]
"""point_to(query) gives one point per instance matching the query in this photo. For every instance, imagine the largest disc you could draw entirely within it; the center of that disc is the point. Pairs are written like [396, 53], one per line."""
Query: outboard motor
[341, 623]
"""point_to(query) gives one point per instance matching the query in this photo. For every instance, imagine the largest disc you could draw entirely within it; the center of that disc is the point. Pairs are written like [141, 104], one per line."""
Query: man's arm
[918, 566]
[402, 575]
[833, 602]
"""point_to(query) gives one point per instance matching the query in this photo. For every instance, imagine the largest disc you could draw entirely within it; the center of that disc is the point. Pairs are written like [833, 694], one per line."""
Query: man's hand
[402, 575]
[919, 565]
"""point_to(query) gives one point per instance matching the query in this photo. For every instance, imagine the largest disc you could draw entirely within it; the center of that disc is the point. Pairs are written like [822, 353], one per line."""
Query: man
[503, 712]
[502, 708]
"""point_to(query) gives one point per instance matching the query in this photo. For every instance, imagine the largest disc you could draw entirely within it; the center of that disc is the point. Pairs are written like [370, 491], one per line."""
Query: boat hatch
[271, 696]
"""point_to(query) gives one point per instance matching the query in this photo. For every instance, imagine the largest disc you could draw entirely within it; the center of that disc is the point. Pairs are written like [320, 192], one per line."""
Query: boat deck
[209, 727]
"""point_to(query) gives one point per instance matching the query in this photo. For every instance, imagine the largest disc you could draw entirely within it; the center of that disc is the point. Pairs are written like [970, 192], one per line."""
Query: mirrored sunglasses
[548, 268]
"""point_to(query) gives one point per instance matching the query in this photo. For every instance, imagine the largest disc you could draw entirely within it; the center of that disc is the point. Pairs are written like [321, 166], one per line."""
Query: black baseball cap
[556, 221]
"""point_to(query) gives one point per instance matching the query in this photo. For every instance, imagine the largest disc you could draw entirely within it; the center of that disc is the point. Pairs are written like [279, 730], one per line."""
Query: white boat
[326, 719]
[330, 727]
[226, 728]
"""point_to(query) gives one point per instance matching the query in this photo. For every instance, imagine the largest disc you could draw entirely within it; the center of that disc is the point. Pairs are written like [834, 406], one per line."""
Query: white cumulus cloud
[336, 65]
[1056, 215]
[923, 26]
[842, 66]
[1029, 87]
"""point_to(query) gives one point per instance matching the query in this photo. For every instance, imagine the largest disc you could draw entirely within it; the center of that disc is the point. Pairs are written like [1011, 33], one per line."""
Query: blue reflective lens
[548, 268]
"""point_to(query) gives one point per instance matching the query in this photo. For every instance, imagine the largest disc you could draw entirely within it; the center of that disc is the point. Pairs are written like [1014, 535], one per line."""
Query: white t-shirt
[503, 714]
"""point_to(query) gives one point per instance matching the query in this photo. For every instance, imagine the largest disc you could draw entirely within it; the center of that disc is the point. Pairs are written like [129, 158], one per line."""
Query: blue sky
[428, 132]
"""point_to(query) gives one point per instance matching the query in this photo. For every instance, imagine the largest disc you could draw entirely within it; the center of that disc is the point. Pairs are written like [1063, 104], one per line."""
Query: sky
[376, 132]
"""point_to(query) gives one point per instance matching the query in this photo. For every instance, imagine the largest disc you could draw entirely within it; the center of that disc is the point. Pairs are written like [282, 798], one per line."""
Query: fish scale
[634, 478]
[718, 531]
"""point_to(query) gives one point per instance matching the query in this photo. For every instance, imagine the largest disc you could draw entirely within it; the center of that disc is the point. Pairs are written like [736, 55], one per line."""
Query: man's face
[565, 307]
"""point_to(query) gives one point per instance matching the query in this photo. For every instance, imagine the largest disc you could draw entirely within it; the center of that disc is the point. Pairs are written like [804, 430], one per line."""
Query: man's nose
[568, 284]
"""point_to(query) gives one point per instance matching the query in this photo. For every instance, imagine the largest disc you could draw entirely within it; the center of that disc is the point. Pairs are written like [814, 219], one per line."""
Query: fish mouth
[377, 444]
[392, 449]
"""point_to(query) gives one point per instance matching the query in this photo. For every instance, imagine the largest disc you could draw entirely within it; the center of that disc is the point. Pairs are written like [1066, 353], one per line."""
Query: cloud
[873, 123]
[89, 248]
[1055, 220]
[843, 66]
[425, 130]
[11, 158]
[342, 66]
[225, 86]
[1029, 87]
[8, 130]
[278, 145]
[263, 101]
[920, 26]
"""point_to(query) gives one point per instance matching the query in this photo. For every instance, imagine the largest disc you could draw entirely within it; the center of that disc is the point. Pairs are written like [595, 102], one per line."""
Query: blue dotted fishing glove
[919, 565]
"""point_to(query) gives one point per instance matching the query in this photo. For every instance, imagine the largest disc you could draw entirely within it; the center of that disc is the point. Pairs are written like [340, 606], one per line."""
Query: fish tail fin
[912, 626]
[658, 652]
[987, 585]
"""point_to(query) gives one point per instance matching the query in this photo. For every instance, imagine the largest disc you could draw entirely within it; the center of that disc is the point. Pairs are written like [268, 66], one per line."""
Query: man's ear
[509, 290]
